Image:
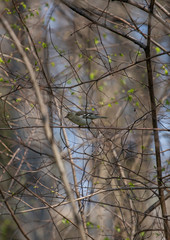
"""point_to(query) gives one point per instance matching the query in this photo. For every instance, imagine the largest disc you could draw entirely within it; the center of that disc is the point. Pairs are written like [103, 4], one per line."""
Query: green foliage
[52, 19]
[8, 11]
[44, 45]
[142, 234]
[52, 64]
[100, 88]
[32, 105]
[131, 184]
[139, 53]
[90, 225]
[7, 228]
[18, 100]
[166, 71]
[167, 102]
[92, 76]
[15, 26]
[164, 67]
[129, 98]
[65, 221]
[69, 81]
[158, 50]
[90, 58]
[1, 60]
[123, 81]
[96, 41]
[118, 229]
[23, 5]
[109, 58]
[37, 12]
[137, 104]
[131, 90]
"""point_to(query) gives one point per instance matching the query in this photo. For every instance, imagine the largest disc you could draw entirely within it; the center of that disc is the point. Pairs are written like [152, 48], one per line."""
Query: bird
[82, 118]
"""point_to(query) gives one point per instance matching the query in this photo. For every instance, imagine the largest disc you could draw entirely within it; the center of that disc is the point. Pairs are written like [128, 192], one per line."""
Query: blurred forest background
[106, 181]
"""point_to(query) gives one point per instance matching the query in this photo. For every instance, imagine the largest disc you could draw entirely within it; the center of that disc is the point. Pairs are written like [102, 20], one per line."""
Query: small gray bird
[82, 118]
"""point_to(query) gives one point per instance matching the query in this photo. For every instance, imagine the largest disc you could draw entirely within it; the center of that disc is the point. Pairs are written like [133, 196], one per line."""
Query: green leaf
[118, 229]
[142, 234]
[131, 90]
[110, 60]
[166, 71]
[65, 221]
[69, 81]
[123, 81]
[109, 105]
[24, 5]
[96, 41]
[139, 53]
[131, 184]
[137, 104]
[92, 76]
[1, 60]
[53, 64]
[158, 50]
[100, 88]
[89, 224]
[44, 45]
[101, 103]
[90, 58]
[167, 102]
[129, 98]
[18, 100]
[52, 19]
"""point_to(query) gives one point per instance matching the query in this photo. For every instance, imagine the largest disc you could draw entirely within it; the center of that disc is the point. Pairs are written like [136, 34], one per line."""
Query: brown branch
[13, 216]
[46, 122]
[155, 125]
